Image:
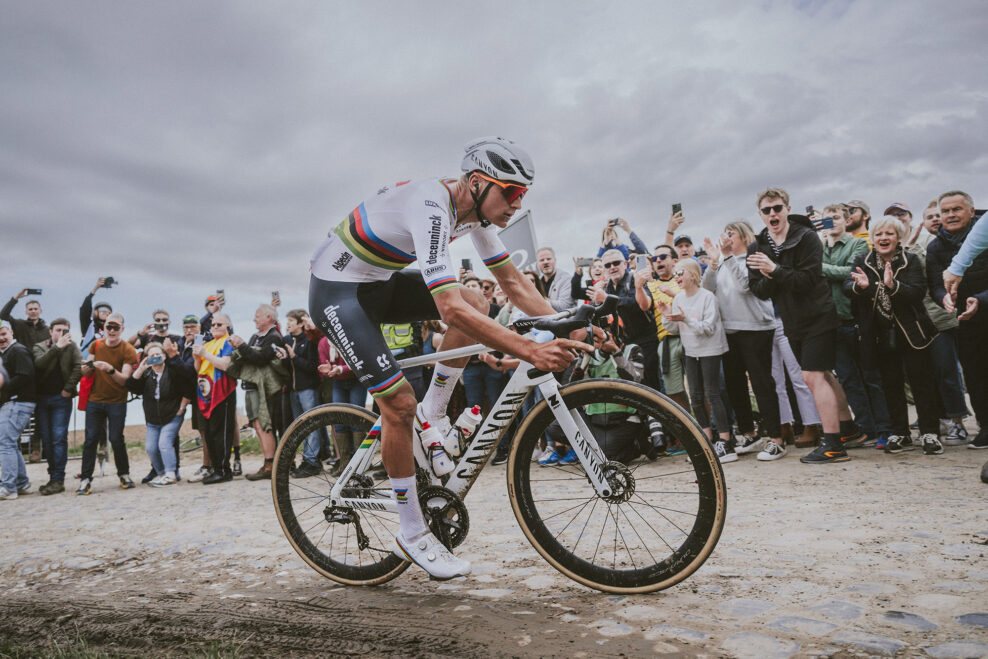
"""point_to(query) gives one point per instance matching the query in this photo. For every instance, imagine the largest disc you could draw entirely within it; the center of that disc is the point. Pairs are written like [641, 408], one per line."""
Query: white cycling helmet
[500, 159]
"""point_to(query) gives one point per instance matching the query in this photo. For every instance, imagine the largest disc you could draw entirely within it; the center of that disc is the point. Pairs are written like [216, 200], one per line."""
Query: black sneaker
[899, 443]
[500, 457]
[218, 476]
[150, 477]
[306, 470]
[52, 487]
[980, 440]
[126, 483]
[857, 440]
[984, 473]
[825, 452]
[931, 444]
[724, 450]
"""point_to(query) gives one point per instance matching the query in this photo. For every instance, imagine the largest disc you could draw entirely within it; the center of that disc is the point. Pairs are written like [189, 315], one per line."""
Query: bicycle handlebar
[574, 318]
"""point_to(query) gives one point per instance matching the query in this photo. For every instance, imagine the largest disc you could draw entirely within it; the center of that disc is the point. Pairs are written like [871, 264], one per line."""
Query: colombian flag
[214, 385]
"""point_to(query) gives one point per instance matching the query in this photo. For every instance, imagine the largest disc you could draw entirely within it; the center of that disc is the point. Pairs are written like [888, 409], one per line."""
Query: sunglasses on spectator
[161, 320]
[772, 209]
[511, 191]
[113, 327]
[613, 264]
[660, 257]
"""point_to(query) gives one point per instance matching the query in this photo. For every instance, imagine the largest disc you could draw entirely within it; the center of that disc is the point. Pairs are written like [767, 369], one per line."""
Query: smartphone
[275, 295]
[677, 208]
[155, 359]
[584, 262]
[809, 210]
[219, 292]
[824, 223]
[34, 291]
[197, 341]
[612, 223]
[466, 264]
[641, 261]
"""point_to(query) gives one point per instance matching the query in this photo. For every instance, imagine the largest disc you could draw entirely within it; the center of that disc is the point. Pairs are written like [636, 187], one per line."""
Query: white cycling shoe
[430, 555]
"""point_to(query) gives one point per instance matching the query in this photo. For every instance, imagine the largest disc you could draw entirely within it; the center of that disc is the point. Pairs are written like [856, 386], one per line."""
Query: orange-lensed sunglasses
[511, 191]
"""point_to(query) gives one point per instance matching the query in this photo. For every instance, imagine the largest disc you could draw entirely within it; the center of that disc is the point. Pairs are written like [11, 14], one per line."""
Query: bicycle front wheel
[663, 518]
[348, 545]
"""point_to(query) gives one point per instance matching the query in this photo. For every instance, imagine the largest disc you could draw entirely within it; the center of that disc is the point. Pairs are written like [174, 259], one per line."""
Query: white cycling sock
[410, 517]
[436, 400]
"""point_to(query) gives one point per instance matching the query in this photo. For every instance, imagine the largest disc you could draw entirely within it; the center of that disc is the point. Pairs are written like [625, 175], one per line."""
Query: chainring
[446, 515]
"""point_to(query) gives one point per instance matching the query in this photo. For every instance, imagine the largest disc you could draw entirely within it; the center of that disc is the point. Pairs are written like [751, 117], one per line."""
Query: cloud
[213, 145]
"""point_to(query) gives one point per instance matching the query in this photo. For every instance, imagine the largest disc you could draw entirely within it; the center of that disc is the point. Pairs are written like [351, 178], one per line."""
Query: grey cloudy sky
[188, 146]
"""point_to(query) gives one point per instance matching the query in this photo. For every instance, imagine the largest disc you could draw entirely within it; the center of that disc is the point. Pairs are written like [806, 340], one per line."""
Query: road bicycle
[618, 528]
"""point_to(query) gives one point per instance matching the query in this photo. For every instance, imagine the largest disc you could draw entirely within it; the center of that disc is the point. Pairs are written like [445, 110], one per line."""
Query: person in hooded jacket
[887, 286]
[785, 264]
[159, 382]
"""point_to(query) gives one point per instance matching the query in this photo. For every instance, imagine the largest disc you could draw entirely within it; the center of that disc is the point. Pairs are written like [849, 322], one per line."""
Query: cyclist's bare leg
[437, 398]
[397, 415]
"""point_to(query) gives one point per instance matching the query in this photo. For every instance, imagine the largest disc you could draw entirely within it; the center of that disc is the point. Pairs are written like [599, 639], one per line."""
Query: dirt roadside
[883, 555]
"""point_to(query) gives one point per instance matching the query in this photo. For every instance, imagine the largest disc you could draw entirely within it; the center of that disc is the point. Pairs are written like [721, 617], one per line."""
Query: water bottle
[656, 434]
[463, 430]
[432, 442]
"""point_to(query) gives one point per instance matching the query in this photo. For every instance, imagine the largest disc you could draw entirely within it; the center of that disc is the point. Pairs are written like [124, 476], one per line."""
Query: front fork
[580, 439]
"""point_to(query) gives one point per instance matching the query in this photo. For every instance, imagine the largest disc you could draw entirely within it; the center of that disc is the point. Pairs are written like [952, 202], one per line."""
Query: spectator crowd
[813, 330]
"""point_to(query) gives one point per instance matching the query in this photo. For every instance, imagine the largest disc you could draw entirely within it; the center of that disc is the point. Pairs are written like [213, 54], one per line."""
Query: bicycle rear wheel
[348, 545]
[663, 519]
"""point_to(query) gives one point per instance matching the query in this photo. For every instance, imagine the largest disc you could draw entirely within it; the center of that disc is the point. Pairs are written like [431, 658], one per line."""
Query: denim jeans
[479, 379]
[784, 361]
[303, 401]
[159, 442]
[14, 417]
[51, 417]
[864, 387]
[111, 416]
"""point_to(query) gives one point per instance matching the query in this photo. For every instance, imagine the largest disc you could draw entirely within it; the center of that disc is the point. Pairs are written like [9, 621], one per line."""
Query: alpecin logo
[342, 262]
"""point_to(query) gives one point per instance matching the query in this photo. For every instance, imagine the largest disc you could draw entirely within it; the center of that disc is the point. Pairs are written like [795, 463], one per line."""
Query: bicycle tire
[190, 444]
[331, 548]
[546, 500]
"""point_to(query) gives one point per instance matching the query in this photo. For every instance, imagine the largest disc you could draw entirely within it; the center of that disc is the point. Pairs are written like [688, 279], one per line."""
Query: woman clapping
[886, 287]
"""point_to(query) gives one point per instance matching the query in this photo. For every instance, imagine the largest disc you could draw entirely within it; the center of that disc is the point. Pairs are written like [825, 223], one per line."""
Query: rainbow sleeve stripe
[498, 261]
[357, 235]
[442, 284]
[389, 386]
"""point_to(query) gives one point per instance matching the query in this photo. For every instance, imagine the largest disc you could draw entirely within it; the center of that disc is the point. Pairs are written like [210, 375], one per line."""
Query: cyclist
[359, 281]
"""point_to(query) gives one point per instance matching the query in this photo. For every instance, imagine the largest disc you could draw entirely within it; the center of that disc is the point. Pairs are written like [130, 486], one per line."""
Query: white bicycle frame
[485, 438]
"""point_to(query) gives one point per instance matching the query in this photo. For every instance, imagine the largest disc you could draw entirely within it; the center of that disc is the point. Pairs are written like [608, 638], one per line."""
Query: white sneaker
[430, 555]
[955, 435]
[745, 444]
[539, 456]
[7, 494]
[199, 474]
[24, 490]
[772, 451]
[931, 444]
[163, 481]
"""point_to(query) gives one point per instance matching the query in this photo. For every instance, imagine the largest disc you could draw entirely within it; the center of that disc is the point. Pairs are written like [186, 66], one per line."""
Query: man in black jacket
[58, 365]
[260, 351]
[639, 327]
[30, 330]
[17, 399]
[971, 302]
[785, 264]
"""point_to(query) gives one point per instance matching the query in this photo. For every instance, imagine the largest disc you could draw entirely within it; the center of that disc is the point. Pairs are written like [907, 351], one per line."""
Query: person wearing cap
[110, 360]
[214, 304]
[91, 318]
[858, 216]
[686, 250]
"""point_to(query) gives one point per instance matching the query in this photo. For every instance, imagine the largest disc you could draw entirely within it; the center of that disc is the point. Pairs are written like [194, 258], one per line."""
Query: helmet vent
[500, 163]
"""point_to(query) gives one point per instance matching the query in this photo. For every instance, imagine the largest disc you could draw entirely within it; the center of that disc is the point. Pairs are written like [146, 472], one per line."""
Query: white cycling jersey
[410, 221]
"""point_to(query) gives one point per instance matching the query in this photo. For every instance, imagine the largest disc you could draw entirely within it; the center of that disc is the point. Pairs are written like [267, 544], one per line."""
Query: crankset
[446, 515]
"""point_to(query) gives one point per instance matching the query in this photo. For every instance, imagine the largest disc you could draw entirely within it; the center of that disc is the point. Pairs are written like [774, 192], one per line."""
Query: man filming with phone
[32, 329]
[359, 281]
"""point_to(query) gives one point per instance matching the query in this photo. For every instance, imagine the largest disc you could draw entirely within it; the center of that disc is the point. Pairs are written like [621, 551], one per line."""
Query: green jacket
[837, 266]
[69, 359]
[269, 378]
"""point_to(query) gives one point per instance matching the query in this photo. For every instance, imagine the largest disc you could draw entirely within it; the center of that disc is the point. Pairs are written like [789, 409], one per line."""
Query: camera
[108, 282]
[466, 264]
[161, 327]
[155, 359]
[34, 291]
